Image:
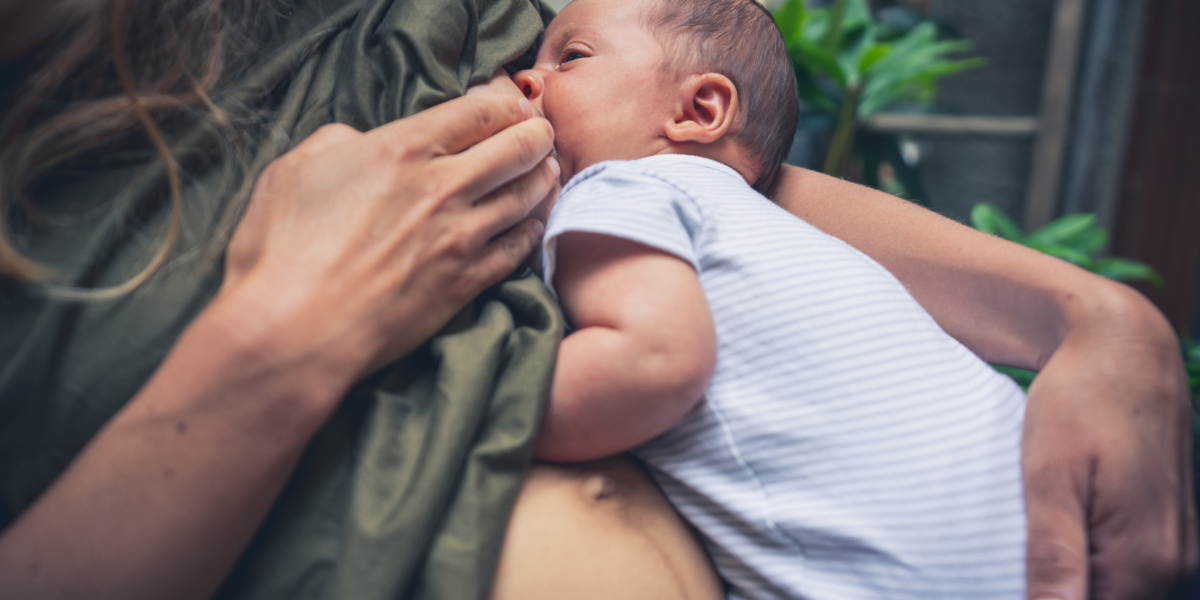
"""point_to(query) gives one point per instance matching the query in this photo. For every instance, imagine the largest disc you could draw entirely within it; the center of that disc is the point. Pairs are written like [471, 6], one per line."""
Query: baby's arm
[643, 352]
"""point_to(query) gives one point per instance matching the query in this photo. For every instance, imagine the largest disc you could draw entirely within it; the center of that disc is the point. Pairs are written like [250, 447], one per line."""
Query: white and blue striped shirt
[846, 446]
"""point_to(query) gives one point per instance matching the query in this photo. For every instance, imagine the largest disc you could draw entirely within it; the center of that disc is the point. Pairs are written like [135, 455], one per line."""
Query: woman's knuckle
[525, 147]
[332, 130]
[397, 149]
[272, 176]
[1162, 565]
[547, 129]
[459, 241]
[1051, 561]
[481, 113]
[513, 250]
[438, 184]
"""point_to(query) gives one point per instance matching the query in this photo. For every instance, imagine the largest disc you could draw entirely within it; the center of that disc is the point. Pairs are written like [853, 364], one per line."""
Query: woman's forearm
[164, 499]
[965, 279]
[1107, 438]
[1009, 304]
[355, 248]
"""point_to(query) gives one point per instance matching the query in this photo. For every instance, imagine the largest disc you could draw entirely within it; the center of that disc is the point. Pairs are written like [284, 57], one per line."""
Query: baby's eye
[570, 56]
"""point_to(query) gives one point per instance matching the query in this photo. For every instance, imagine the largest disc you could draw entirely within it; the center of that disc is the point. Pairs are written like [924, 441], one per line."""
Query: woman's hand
[1107, 434]
[1107, 455]
[354, 249]
[359, 246]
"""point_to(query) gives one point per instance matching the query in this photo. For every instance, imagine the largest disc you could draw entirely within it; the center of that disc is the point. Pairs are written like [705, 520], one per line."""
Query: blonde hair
[161, 55]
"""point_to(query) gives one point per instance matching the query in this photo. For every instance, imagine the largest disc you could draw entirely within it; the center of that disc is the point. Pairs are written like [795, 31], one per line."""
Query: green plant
[844, 67]
[1191, 356]
[1074, 238]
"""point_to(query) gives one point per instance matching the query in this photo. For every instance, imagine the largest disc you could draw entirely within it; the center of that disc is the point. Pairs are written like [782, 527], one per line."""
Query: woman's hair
[738, 39]
[114, 67]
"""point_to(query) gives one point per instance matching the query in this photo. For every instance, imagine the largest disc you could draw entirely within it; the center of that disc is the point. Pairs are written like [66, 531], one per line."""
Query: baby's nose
[530, 83]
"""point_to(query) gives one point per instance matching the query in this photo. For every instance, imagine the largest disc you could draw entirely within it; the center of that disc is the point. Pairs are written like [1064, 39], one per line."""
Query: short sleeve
[624, 200]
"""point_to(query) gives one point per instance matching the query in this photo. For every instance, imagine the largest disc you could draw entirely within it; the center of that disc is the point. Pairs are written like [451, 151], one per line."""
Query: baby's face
[598, 80]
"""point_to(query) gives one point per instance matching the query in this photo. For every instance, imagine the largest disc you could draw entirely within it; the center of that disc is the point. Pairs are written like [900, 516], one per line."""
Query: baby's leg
[600, 530]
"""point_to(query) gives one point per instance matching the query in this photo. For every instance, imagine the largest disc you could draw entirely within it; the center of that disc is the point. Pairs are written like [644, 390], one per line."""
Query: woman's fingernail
[526, 108]
[539, 227]
[554, 167]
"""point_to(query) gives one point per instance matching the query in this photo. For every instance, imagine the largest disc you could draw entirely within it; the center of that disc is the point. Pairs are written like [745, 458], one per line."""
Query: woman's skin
[355, 248]
[245, 388]
[596, 531]
[1107, 439]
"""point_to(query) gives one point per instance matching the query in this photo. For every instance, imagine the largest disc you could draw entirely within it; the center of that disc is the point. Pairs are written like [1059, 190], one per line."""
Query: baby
[824, 435]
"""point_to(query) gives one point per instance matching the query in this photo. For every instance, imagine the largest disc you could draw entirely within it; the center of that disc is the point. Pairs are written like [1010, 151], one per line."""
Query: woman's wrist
[166, 496]
[282, 376]
[1111, 316]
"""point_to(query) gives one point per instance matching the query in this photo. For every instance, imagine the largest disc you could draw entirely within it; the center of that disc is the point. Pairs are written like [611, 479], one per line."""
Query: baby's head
[626, 79]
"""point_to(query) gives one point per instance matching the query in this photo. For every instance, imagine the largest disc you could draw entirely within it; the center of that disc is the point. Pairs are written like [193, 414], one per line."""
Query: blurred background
[1038, 108]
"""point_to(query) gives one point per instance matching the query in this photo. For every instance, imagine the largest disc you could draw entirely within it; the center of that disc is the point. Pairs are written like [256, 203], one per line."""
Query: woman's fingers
[502, 157]
[453, 126]
[400, 226]
[504, 254]
[1057, 559]
[514, 200]
[1110, 517]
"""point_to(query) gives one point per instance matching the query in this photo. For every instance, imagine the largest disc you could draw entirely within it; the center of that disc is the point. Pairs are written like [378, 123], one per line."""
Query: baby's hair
[738, 39]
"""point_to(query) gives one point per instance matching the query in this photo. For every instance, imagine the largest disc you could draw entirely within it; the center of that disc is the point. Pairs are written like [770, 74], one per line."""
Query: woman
[203, 433]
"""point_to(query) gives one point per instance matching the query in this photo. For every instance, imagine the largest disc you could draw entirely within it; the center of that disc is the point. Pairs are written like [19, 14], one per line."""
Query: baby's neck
[725, 151]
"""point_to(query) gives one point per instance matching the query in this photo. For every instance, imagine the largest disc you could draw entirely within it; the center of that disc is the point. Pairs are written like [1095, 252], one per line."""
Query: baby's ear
[707, 108]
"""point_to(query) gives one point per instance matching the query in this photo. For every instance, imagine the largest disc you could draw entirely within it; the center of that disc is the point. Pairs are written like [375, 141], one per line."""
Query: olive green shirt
[406, 492]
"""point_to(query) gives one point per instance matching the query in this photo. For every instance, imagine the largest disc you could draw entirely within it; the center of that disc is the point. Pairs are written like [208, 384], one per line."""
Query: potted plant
[848, 67]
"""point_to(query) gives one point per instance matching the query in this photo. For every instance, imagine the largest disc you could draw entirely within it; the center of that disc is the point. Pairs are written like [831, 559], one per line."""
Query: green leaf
[873, 55]
[1123, 269]
[846, 18]
[911, 70]
[790, 19]
[858, 14]
[1023, 377]
[1195, 436]
[991, 220]
[813, 94]
[856, 45]
[832, 40]
[818, 61]
[1066, 253]
[816, 23]
[1061, 231]
[1090, 242]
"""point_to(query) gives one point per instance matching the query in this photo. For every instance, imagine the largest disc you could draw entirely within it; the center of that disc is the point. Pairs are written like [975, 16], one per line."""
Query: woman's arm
[644, 352]
[1107, 434]
[354, 249]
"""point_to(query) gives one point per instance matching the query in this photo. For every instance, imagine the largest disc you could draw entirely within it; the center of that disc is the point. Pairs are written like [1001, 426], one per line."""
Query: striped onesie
[846, 447]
